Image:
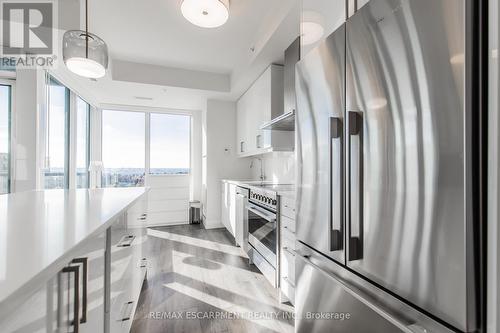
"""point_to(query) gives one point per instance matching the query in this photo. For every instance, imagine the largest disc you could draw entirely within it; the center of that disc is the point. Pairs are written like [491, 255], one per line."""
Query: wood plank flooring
[198, 281]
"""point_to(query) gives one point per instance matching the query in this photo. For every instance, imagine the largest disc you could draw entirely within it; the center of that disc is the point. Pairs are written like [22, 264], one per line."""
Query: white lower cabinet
[137, 215]
[83, 287]
[36, 313]
[128, 270]
[77, 291]
[228, 208]
[287, 249]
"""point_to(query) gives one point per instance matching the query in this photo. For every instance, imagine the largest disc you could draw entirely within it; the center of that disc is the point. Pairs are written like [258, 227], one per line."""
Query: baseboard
[167, 224]
[212, 224]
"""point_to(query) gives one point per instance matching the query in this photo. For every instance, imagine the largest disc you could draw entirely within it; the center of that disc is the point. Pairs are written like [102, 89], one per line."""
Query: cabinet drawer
[288, 290]
[288, 243]
[287, 223]
[287, 207]
[140, 206]
[137, 219]
[288, 264]
[286, 233]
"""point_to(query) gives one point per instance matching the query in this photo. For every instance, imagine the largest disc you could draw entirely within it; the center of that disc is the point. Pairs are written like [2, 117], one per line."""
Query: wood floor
[198, 281]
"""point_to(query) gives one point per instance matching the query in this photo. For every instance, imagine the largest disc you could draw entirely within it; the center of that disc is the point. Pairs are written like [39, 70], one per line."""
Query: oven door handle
[256, 210]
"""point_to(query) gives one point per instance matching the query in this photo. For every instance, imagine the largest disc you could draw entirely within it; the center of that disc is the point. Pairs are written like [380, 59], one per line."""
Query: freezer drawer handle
[336, 185]
[404, 327]
[76, 296]
[85, 278]
[356, 192]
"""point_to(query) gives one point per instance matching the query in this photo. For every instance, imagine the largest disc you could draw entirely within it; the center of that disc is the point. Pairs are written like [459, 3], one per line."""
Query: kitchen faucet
[262, 176]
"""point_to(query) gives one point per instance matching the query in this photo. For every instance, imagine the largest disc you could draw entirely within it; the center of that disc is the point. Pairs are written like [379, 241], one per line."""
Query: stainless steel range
[263, 230]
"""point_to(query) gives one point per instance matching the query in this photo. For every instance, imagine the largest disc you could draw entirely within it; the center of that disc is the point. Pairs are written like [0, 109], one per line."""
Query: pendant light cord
[86, 28]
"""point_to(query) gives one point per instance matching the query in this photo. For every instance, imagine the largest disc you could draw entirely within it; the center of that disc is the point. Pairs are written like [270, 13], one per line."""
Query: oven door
[262, 232]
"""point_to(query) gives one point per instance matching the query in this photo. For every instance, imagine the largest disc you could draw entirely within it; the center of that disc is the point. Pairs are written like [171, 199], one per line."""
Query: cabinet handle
[143, 263]
[126, 241]
[257, 141]
[85, 276]
[241, 146]
[127, 311]
[76, 296]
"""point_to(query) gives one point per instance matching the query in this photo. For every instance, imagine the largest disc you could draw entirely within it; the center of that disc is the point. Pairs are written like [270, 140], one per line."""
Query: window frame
[147, 111]
[11, 83]
[67, 130]
[74, 140]
[70, 132]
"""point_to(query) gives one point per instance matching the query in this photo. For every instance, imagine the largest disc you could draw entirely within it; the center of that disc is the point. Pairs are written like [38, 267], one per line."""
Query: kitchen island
[57, 247]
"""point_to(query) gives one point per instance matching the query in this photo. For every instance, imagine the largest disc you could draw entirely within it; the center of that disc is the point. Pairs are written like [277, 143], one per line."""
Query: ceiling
[154, 32]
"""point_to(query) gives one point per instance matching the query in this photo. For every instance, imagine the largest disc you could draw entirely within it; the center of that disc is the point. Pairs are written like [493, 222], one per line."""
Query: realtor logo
[27, 28]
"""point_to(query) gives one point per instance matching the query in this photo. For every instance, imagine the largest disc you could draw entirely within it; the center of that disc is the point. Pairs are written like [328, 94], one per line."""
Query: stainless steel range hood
[285, 122]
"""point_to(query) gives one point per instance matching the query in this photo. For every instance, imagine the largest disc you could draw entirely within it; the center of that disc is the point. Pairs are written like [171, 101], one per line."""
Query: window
[82, 143]
[5, 110]
[170, 145]
[123, 148]
[56, 168]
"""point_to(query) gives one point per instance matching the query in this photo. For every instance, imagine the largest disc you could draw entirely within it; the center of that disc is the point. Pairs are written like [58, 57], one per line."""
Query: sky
[124, 140]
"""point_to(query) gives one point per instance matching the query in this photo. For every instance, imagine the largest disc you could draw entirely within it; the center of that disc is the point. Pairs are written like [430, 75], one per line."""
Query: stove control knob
[275, 202]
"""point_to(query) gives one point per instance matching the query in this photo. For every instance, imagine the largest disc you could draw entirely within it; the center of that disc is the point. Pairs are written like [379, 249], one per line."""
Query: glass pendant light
[206, 13]
[84, 53]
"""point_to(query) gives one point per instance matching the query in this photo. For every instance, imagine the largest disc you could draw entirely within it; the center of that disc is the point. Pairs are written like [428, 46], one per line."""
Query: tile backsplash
[279, 167]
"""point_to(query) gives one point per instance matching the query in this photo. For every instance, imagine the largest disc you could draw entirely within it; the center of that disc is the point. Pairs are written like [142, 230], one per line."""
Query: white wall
[219, 159]
[493, 264]
[279, 167]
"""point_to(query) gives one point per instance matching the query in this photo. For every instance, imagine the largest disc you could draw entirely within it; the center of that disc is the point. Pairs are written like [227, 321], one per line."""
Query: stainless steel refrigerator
[389, 211]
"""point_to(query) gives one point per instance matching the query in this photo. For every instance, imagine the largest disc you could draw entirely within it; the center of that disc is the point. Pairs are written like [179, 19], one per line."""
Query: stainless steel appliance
[389, 210]
[263, 231]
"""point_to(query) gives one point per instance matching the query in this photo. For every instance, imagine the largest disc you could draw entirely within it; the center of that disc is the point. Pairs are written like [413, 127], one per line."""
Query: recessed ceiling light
[206, 13]
[311, 32]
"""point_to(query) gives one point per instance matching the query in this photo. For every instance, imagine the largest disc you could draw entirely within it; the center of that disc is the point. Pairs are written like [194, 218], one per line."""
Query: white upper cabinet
[262, 102]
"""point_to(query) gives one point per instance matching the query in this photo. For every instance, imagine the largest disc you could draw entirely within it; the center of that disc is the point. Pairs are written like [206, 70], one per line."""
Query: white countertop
[39, 230]
[287, 190]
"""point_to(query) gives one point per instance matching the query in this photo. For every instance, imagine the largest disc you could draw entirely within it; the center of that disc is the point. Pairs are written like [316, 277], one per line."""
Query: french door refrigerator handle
[336, 194]
[356, 230]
